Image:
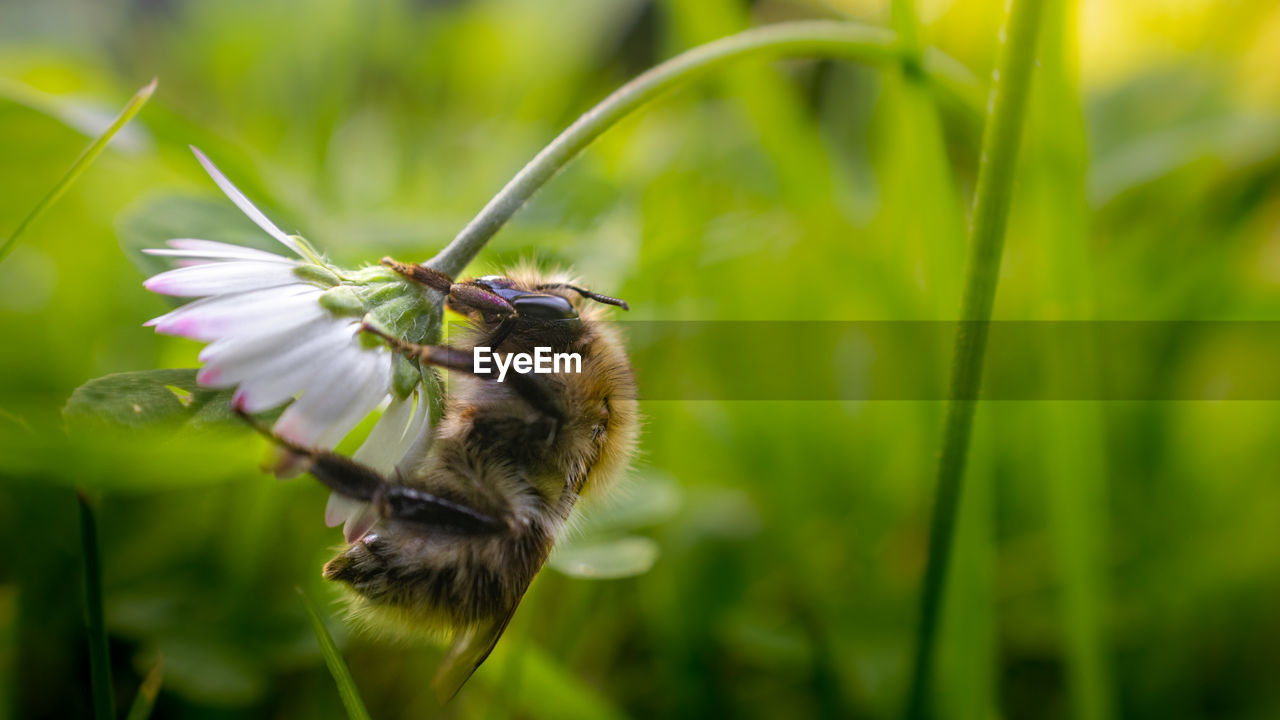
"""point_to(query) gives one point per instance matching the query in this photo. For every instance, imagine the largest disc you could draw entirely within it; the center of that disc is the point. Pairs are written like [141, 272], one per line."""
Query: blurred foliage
[1114, 559]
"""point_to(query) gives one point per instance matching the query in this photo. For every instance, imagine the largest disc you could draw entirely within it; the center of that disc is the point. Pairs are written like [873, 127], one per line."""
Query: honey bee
[460, 536]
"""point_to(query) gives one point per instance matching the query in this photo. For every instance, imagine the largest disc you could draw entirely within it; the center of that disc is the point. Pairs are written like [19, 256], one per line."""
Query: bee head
[534, 304]
[498, 298]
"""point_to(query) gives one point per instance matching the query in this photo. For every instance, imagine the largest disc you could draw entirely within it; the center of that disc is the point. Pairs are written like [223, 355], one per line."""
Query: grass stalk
[99, 651]
[145, 701]
[337, 667]
[818, 38]
[904, 21]
[1075, 472]
[78, 167]
[1000, 143]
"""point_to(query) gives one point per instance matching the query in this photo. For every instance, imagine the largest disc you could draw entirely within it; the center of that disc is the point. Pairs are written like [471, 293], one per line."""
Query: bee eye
[544, 307]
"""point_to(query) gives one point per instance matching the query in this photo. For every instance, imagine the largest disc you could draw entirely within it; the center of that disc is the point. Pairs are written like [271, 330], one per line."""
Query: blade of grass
[147, 692]
[78, 167]
[1074, 462]
[337, 667]
[8, 645]
[919, 167]
[99, 654]
[965, 679]
[1000, 143]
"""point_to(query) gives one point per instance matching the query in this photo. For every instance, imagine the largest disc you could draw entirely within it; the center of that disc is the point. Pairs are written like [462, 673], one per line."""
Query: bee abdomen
[460, 580]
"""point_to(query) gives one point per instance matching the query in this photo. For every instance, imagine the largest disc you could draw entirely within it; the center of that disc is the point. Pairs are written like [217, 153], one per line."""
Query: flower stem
[851, 41]
[1009, 93]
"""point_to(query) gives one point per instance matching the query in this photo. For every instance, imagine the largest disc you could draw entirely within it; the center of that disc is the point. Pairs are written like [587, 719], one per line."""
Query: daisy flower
[285, 328]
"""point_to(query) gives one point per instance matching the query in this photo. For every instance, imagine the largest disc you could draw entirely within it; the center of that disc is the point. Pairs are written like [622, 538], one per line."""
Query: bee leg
[392, 500]
[421, 274]
[442, 356]
[492, 307]
[412, 505]
[531, 388]
[465, 294]
[340, 473]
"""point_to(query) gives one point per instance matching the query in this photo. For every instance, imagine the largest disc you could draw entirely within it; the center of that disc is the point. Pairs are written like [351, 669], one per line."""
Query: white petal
[226, 252]
[260, 393]
[339, 508]
[359, 523]
[417, 438]
[245, 206]
[379, 450]
[357, 517]
[308, 354]
[222, 278]
[218, 316]
[248, 252]
[268, 334]
[248, 301]
[370, 379]
[349, 388]
[276, 380]
[308, 417]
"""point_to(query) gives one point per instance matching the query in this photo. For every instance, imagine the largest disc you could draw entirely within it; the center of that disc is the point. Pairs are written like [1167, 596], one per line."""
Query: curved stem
[986, 242]
[851, 41]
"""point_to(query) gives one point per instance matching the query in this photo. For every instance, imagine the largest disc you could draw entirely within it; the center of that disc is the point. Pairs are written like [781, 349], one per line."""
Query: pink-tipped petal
[210, 377]
[272, 378]
[221, 278]
[213, 317]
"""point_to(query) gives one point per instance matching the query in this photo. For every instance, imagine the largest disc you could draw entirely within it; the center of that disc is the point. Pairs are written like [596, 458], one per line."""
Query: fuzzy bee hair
[462, 533]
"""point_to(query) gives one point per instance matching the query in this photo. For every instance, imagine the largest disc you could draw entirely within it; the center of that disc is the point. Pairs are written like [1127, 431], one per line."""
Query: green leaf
[608, 560]
[151, 398]
[78, 167]
[147, 398]
[341, 675]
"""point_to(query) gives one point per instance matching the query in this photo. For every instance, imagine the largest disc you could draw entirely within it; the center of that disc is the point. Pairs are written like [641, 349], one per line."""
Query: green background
[1114, 559]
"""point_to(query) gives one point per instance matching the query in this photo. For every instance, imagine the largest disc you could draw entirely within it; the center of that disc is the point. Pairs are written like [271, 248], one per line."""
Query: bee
[460, 536]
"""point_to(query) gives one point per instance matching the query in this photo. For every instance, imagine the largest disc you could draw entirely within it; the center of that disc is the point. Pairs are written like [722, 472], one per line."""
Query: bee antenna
[603, 299]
